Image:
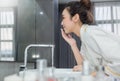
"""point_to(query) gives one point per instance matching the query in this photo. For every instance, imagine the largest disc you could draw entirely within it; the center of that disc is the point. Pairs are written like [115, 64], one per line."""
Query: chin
[67, 32]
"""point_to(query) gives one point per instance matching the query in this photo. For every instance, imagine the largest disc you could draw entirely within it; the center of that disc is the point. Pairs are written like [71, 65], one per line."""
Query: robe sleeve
[108, 46]
[104, 43]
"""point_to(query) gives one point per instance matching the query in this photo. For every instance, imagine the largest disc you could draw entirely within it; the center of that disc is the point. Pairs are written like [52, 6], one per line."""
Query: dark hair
[83, 8]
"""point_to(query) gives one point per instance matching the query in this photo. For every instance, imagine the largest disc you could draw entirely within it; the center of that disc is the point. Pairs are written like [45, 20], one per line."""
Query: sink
[59, 73]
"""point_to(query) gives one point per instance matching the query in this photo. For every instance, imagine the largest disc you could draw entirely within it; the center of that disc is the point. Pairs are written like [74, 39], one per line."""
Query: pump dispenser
[86, 68]
[41, 66]
[86, 72]
[50, 74]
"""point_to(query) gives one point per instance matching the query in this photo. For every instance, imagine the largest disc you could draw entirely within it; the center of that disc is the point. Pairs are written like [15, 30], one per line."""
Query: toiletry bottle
[49, 74]
[41, 66]
[86, 72]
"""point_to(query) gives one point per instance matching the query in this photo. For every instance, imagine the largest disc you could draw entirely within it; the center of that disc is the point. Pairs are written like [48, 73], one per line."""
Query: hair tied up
[86, 3]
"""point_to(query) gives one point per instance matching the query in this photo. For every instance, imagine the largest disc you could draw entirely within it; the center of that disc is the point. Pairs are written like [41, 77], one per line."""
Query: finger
[63, 34]
[69, 35]
[75, 68]
[61, 30]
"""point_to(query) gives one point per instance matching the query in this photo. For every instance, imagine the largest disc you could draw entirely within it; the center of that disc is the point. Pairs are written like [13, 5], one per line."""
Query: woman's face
[67, 22]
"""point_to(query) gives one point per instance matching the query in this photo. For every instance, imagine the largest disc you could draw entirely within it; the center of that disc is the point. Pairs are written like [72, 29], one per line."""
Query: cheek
[69, 27]
[67, 22]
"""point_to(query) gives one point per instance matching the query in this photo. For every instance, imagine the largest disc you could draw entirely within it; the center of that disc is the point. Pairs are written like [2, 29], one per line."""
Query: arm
[77, 54]
[72, 42]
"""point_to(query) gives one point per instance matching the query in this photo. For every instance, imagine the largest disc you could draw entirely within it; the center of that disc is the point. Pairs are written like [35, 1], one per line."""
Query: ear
[75, 18]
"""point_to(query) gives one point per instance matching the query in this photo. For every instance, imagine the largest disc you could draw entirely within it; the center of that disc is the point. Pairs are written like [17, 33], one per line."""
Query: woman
[96, 43]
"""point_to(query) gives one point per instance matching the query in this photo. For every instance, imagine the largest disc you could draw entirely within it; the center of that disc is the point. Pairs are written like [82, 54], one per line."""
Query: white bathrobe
[97, 43]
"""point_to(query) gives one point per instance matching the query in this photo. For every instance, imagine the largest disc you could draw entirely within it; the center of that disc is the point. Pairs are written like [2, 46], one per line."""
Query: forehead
[65, 12]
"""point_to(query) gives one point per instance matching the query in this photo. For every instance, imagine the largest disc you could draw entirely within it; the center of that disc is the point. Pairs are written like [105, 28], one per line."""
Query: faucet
[37, 45]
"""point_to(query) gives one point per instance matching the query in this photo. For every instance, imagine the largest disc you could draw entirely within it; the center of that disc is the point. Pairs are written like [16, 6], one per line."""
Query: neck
[77, 29]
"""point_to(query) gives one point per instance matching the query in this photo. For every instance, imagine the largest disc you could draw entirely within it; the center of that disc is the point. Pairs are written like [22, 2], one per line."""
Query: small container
[41, 67]
[86, 72]
[49, 74]
[41, 64]
[66, 79]
[86, 68]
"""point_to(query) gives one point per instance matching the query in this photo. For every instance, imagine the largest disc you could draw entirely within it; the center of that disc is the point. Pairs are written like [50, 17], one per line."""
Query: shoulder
[92, 32]
[90, 29]
[93, 28]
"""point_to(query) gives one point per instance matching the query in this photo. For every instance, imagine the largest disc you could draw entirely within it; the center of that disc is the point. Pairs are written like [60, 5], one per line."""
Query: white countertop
[31, 75]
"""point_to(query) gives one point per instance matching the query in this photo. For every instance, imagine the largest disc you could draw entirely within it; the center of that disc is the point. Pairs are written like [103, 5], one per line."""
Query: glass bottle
[86, 72]
[41, 66]
[49, 74]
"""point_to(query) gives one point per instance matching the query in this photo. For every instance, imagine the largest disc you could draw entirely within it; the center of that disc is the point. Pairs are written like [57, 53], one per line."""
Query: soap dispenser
[41, 66]
[86, 72]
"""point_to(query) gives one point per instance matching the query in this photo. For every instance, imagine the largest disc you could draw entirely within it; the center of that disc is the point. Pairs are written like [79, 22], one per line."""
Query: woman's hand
[68, 38]
[77, 68]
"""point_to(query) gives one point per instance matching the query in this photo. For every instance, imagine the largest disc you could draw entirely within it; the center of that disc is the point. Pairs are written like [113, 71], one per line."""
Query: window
[7, 26]
[107, 16]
